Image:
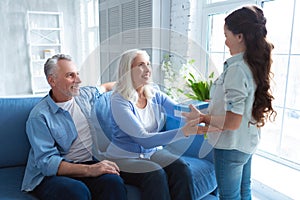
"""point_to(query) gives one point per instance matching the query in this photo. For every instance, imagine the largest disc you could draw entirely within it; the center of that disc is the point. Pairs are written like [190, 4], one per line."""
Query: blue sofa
[14, 148]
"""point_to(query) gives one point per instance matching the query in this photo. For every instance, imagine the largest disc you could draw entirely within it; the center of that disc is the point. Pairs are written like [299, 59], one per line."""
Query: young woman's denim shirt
[51, 131]
[130, 139]
[234, 91]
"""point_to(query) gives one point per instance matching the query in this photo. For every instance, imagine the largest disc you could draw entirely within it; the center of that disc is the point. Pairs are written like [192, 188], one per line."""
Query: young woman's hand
[193, 114]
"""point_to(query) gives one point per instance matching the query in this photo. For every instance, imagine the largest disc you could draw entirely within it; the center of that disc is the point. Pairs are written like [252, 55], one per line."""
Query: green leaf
[191, 82]
[198, 89]
[193, 77]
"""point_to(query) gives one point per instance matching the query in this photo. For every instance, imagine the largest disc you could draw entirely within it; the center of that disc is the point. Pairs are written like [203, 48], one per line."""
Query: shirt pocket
[63, 138]
[217, 85]
[219, 80]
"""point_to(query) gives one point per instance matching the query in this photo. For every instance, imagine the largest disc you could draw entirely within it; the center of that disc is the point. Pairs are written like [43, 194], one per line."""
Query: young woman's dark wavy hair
[250, 22]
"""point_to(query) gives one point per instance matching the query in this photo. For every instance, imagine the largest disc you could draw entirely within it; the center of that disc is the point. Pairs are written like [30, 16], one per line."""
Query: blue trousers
[162, 177]
[105, 187]
[233, 173]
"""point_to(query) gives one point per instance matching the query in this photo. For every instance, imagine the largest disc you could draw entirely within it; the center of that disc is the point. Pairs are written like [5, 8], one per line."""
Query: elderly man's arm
[82, 170]
[108, 86]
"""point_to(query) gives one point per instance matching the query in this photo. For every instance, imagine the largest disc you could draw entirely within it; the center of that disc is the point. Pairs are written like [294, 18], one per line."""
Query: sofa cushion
[14, 143]
[10, 184]
[203, 176]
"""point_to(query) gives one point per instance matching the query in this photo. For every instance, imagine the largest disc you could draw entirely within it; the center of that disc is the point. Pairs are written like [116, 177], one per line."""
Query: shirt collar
[233, 59]
[53, 106]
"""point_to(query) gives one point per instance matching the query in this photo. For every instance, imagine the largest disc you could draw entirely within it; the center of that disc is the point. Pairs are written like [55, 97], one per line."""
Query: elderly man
[62, 129]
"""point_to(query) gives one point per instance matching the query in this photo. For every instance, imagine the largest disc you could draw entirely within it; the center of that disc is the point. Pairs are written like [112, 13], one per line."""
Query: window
[214, 1]
[90, 68]
[89, 20]
[280, 140]
[214, 13]
[93, 25]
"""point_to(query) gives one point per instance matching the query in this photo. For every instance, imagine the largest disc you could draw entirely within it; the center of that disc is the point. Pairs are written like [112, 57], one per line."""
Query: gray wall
[14, 66]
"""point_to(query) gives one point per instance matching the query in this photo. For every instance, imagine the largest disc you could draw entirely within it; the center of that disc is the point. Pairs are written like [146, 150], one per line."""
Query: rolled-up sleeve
[236, 90]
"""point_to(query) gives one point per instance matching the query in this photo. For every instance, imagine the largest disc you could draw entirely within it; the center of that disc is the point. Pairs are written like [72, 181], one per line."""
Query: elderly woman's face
[140, 71]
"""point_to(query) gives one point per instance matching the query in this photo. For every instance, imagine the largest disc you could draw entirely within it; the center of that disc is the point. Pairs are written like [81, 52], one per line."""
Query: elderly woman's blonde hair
[124, 84]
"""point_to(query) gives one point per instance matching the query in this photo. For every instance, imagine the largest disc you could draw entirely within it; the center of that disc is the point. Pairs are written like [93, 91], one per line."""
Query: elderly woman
[138, 111]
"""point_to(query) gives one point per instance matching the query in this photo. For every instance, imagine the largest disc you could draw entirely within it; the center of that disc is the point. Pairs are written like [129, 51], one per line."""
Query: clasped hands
[197, 123]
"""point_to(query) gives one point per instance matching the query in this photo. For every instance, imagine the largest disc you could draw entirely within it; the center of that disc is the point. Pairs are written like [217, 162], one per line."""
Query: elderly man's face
[65, 81]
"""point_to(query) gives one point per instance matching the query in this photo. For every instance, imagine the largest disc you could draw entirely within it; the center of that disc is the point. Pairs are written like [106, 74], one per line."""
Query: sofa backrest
[14, 145]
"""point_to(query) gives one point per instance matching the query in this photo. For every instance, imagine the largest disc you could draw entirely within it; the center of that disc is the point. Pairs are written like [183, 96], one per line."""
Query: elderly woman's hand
[197, 126]
[197, 123]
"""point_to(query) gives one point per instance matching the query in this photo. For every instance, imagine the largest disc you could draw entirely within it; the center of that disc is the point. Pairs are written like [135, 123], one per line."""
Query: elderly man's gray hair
[50, 65]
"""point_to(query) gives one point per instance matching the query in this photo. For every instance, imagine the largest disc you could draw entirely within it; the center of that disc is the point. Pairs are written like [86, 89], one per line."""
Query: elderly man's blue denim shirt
[51, 131]
[234, 91]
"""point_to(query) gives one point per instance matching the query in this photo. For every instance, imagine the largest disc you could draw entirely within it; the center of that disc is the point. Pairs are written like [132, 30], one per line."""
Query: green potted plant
[200, 88]
[195, 87]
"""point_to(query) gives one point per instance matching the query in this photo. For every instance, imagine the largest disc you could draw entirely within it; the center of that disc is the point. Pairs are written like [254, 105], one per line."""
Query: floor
[274, 181]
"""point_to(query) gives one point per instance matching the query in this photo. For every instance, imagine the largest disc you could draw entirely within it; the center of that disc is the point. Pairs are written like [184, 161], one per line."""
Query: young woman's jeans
[105, 187]
[233, 172]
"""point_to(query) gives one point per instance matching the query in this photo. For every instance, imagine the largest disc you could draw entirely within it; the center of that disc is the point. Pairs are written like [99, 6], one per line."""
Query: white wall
[186, 33]
[14, 67]
[184, 18]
